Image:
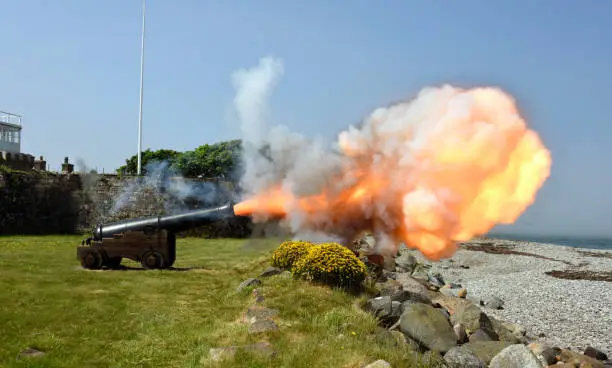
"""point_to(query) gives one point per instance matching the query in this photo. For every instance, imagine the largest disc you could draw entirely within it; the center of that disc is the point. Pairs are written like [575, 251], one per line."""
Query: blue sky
[71, 67]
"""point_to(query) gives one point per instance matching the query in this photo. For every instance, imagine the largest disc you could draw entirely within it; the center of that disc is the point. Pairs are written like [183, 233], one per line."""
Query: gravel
[559, 312]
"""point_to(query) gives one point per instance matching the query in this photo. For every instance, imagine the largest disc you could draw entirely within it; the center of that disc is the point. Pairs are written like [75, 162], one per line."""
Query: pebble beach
[561, 295]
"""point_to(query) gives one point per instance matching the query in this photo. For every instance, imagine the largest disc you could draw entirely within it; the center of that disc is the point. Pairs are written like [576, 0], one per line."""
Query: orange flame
[444, 168]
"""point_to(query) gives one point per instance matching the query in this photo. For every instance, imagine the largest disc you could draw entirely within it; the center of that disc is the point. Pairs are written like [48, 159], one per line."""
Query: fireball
[442, 168]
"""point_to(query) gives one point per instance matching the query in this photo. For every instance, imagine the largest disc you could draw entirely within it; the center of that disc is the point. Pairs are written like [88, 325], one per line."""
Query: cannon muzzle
[171, 223]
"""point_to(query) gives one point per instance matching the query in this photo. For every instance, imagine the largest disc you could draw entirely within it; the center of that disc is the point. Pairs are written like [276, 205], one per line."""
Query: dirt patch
[581, 275]
[595, 254]
[492, 248]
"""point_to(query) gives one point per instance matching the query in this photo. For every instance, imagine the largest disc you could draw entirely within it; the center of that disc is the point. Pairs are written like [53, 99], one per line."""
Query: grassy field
[171, 318]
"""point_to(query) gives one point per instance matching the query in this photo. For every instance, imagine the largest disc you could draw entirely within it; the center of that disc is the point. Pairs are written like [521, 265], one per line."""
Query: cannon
[148, 240]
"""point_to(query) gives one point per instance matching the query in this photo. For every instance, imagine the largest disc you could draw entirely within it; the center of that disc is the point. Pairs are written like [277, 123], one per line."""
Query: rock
[572, 357]
[271, 271]
[31, 353]
[383, 336]
[563, 365]
[550, 355]
[479, 335]
[473, 319]
[389, 275]
[432, 358]
[405, 263]
[428, 327]
[504, 333]
[412, 289]
[379, 364]
[594, 353]
[399, 337]
[455, 292]
[494, 303]
[420, 272]
[444, 312]
[476, 300]
[248, 283]
[486, 350]
[460, 333]
[396, 311]
[262, 326]
[460, 357]
[217, 354]
[286, 274]
[537, 347]
[394, 289]
[435, 279]
[410, 283]
[257, 313]
[449, 302]
[366, 244]
[385, 309]
[515, 356]
[259, 298]
[516, 329]
[546, 355]
[379, 306]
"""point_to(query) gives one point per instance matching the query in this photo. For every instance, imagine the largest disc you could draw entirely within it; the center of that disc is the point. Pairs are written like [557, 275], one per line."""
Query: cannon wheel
[152, 260]
[91, 260]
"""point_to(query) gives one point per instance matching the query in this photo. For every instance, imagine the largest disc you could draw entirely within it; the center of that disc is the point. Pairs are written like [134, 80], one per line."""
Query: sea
[570, 241]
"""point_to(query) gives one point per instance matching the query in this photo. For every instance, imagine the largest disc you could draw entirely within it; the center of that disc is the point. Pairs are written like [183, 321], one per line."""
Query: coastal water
[577, 242]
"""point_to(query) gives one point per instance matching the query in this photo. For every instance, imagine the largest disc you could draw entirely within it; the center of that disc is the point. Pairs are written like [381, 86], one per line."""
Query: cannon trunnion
[150, 241]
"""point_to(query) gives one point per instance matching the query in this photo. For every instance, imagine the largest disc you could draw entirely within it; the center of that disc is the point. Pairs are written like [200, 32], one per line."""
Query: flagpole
[139, 169]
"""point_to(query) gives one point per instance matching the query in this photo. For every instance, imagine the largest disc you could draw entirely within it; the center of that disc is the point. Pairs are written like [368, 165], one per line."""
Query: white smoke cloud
[271, 153]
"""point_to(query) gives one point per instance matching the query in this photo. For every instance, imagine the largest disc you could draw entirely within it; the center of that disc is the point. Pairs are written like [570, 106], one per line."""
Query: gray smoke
[271, 153]
[165, 186]
[89, 177]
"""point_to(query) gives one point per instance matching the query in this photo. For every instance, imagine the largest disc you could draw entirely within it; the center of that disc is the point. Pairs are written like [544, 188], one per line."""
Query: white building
[10, 132]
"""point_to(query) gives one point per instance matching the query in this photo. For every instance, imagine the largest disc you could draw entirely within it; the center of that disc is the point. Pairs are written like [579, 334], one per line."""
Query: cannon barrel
[173, 223]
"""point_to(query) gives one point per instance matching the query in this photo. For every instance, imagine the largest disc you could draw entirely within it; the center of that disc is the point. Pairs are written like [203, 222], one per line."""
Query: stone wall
[52, 203]
[38, 203]
[17, 161]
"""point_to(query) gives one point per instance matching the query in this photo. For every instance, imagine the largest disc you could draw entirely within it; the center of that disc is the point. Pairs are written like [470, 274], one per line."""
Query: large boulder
[515, 356]
[413, 289]
[473, 318]
[505, 333]
[405, 263]
[486, 350]
[427, 326]
[460, 357]
[386, 310]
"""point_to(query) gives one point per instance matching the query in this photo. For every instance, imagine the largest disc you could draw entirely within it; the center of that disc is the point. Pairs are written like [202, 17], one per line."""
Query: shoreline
[560, 294]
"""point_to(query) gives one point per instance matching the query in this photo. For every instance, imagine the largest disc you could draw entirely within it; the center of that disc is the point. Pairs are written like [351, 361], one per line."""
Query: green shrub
[331, 263]
[289, 252]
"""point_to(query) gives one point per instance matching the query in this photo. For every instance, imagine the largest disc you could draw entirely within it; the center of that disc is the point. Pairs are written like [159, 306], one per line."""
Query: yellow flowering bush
[331, 263]
[289, 252]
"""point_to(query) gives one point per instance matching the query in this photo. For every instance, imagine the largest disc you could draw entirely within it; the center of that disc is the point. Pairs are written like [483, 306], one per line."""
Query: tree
[220, 159]
[148, 156]
[210, 160]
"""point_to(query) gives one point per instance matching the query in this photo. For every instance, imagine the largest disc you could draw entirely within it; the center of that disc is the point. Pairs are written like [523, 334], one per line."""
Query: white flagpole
[141, 89]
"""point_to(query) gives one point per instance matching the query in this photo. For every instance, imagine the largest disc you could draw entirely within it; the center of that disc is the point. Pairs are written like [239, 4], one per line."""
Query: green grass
[169, 318]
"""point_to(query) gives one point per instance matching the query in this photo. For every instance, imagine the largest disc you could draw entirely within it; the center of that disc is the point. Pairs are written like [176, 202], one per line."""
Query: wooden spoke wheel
[153, 260]
[91, 259]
